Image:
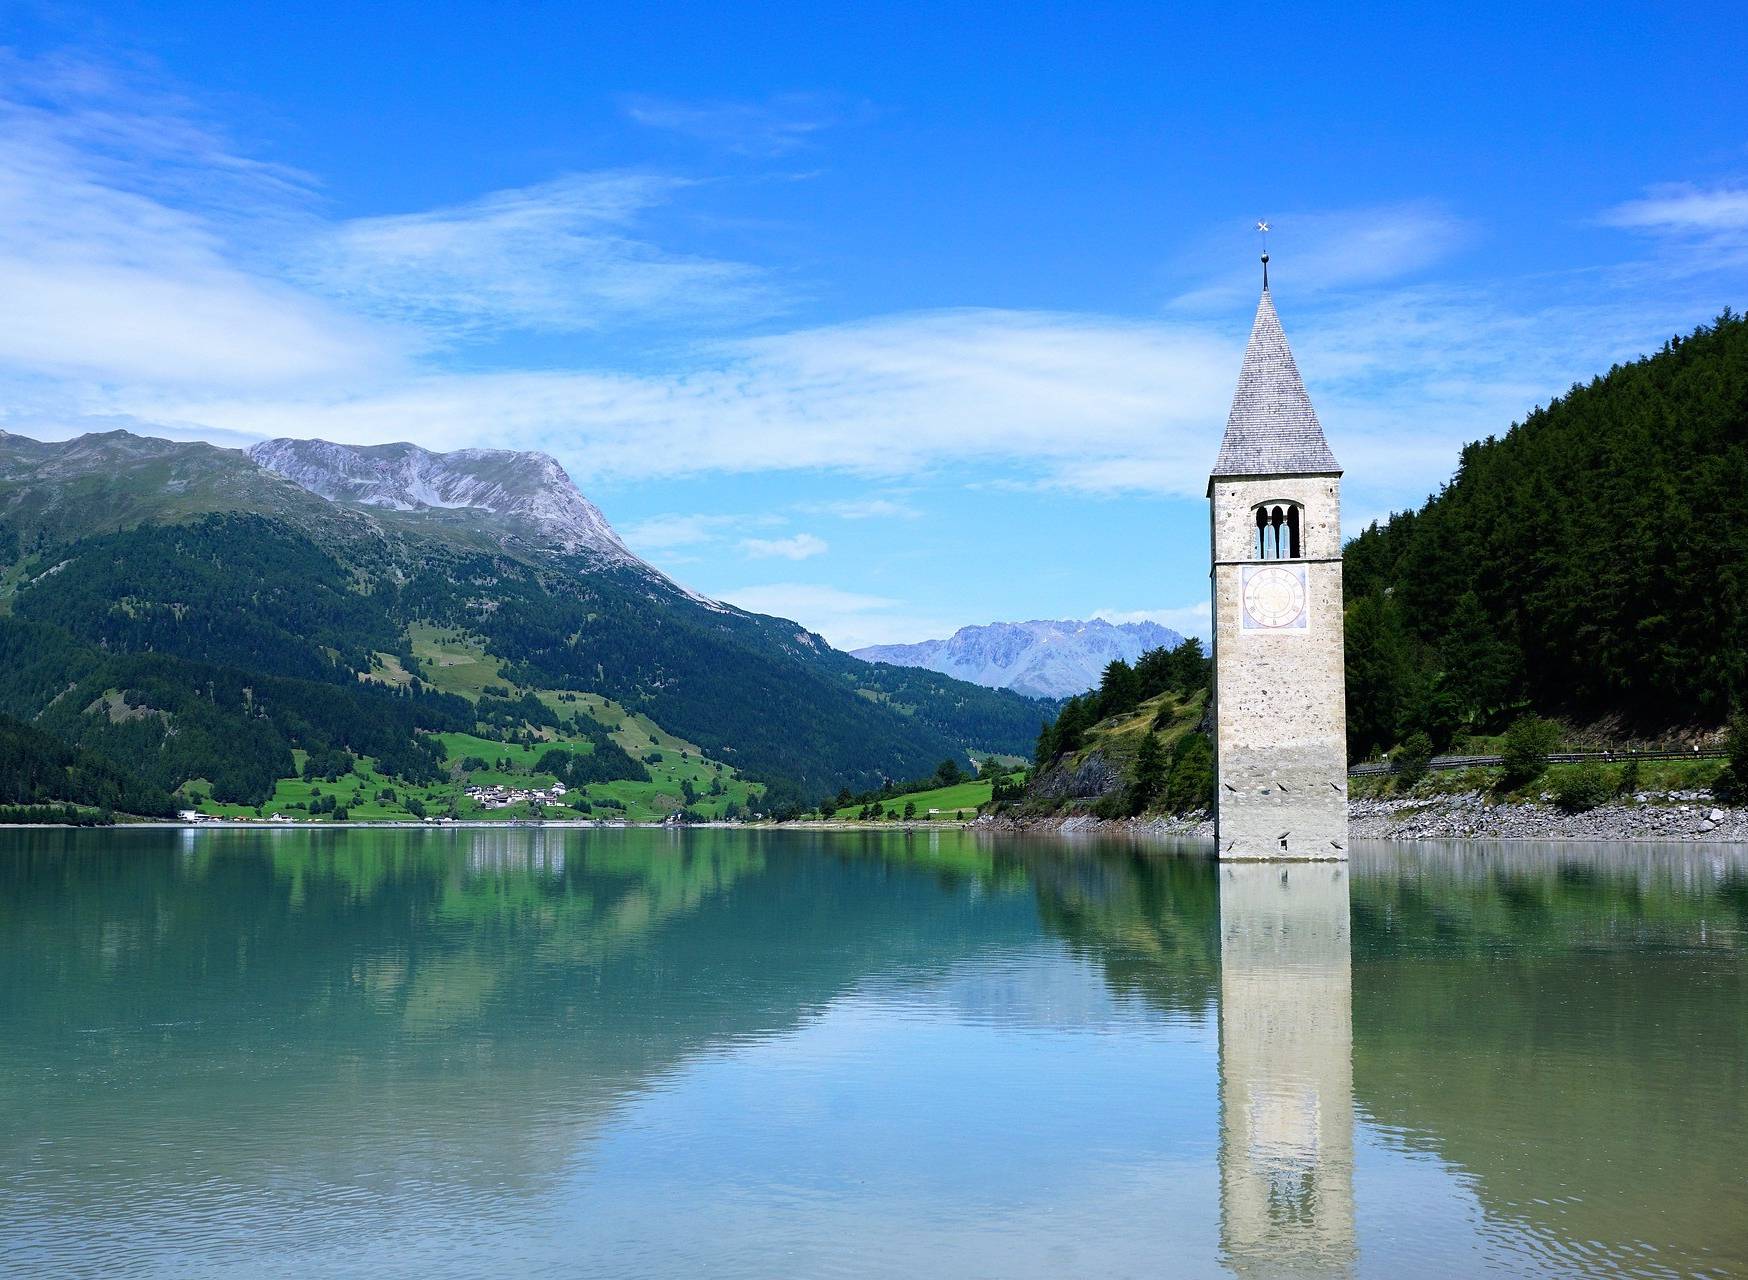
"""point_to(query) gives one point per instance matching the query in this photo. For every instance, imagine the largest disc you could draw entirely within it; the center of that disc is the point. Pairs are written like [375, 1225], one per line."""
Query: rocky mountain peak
[1043, 657]
[527, 489]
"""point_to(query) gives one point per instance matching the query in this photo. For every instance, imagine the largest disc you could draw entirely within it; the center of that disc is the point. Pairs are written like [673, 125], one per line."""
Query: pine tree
[1190, 786]
[1150, 774]
[1381, 675]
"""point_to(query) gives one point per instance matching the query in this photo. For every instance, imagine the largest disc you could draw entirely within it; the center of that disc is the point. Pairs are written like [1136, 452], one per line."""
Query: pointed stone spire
[1273, 429]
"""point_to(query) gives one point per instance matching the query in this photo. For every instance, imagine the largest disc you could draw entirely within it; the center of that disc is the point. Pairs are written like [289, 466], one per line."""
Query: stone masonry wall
[1280, 719]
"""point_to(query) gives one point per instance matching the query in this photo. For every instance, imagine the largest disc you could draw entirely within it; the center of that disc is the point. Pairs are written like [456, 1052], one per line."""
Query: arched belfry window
[1279, 531]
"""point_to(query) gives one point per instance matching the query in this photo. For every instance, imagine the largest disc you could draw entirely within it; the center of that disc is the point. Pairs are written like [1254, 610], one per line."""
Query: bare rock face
[1089, 780]
[1096, 776]
[527, 490]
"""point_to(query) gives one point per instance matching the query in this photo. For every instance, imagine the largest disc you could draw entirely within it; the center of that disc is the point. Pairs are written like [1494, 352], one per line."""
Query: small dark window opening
[1278, 536]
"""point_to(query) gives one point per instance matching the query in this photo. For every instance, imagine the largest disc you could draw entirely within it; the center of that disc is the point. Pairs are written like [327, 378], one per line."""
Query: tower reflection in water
[1286, 1069]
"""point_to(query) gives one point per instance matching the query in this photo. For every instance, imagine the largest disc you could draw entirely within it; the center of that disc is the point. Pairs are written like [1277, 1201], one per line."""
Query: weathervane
[1263, 230]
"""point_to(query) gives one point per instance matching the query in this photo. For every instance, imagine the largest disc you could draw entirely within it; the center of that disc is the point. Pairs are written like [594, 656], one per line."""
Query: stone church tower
[1280, 699]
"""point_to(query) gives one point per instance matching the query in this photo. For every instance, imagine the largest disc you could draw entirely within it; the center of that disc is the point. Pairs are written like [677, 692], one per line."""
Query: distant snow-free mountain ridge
[1049, 659]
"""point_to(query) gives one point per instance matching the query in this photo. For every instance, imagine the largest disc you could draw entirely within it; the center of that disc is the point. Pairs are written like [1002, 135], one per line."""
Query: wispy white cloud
[672, 531]
[1090, 404]
[885, 397]
[118, 262]
[774, 127]
[848, 619]
[558, 256]
[862, 509]
[1315, 252]
[1693, 230]
[801, 546]
[1683, 208]
[136, 256]
[132, 132]
[672, 537]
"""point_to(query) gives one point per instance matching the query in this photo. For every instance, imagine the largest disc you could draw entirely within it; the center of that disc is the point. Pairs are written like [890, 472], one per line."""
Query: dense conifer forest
[39, 775]
[1592, 562]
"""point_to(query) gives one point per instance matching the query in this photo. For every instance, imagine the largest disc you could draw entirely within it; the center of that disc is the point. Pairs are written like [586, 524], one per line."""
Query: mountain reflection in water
[516, 1051]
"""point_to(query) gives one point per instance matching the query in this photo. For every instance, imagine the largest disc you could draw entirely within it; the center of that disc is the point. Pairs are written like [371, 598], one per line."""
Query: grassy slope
[1119, 737]
[455, 662]
[458, 663]
[965, 797]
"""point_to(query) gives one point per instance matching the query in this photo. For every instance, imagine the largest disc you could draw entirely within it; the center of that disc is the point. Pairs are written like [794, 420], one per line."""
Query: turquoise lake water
[761, 1054]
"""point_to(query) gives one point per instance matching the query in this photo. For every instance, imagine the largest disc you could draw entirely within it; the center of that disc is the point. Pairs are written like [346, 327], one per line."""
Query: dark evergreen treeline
[508, 715]
[607, 761]
[1184, 670]
[1593, 561]
[38, 770]
[968, 714]
[164, 719]
[60, 815]
[237, 590]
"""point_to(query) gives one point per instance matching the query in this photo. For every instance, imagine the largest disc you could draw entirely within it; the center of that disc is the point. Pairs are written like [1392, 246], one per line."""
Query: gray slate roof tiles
[1273, 429]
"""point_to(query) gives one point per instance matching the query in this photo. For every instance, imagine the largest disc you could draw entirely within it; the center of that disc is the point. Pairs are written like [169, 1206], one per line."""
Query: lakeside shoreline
[1685, 819]
[472, 824]
[1689, 819]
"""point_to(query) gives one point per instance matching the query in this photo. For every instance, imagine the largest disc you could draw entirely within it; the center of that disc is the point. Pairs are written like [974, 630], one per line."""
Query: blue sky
[885, 318]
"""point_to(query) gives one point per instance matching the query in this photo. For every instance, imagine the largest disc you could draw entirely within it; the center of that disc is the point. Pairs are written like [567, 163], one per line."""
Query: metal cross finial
[1263, 230]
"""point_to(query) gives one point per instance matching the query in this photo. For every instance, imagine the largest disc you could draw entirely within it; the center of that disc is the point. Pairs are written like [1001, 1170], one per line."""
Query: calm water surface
[635, 1053]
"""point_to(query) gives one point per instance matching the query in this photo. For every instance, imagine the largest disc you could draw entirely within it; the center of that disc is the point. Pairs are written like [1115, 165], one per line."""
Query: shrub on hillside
[1527, 745]
[1115, 805]
[1731, 784]
[1150, 774]
[1190, 785]
[1413, 759]
[1580, 789]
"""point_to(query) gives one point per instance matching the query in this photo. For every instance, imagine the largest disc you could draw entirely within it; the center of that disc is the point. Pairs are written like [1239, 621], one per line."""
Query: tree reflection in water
[442, 1040]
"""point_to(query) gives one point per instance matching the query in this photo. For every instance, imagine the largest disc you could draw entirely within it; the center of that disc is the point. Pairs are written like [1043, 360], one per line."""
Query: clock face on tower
[1273, 598]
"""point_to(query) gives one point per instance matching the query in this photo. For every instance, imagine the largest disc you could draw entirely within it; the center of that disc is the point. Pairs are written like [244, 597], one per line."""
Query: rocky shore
[1678, 815]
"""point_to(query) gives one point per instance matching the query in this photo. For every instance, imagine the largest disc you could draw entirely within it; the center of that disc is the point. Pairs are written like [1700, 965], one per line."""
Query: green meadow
[962, 797]
[454, 661]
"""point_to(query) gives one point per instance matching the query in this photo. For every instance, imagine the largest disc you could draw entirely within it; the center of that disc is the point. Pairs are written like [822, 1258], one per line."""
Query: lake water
[643, 1053]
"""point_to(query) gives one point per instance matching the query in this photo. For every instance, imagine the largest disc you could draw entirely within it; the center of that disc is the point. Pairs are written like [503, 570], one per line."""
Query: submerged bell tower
[1280, 696]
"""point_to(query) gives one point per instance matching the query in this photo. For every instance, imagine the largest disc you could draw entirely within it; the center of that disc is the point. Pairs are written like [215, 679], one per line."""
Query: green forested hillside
[1591, 562]
[37, 769]
[238, 590]
[1134, 744]
[191, 618]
